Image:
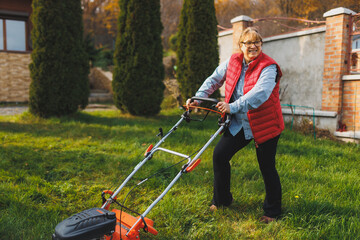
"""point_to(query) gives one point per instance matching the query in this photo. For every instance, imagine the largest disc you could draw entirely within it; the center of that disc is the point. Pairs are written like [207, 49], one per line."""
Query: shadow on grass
[83, 124]
[54, 165]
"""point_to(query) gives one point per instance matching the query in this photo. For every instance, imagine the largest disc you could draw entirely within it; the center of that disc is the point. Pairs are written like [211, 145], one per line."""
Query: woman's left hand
[223, 107]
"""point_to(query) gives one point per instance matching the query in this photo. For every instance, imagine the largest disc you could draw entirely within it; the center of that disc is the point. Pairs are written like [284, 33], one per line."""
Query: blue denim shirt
[241, 103]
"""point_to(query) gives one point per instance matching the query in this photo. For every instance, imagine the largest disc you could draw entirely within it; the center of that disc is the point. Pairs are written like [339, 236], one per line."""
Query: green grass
[53, 168]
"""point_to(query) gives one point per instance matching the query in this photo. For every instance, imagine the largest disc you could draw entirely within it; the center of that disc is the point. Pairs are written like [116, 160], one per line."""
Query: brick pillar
[335, 60]
[239, 24]
[351, 103]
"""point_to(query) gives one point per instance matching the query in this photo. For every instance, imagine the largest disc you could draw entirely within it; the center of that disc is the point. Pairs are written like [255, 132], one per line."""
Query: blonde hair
[250, 32]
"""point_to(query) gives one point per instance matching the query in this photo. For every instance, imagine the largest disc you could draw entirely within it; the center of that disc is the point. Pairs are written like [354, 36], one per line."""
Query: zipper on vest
[256, 145]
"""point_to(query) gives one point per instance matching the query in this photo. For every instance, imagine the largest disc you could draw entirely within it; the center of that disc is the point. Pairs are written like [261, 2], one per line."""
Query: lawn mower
[116, 224]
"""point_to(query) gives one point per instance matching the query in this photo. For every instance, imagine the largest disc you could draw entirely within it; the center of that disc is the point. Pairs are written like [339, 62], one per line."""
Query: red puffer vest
[266, 121]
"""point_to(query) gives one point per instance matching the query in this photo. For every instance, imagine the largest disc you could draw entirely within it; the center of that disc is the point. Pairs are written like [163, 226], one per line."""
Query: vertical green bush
[138, 69]
[181, 50]
[60, 66]
[197, 48]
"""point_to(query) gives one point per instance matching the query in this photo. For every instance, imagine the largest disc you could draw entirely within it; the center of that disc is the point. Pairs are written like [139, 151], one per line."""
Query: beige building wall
[301, 59]
[225, 41]
[14, 77]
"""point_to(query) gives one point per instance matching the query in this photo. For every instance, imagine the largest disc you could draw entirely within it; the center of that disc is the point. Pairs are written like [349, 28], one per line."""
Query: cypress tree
[59, 67]
[139, 71]
[197, 51]
[120, 56]
[181, 50]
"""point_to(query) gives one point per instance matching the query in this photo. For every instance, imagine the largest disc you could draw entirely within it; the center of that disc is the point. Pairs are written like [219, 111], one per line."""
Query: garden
[53, 168]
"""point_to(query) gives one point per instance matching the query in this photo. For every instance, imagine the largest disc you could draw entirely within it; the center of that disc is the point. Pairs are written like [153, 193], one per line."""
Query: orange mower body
[125, 221]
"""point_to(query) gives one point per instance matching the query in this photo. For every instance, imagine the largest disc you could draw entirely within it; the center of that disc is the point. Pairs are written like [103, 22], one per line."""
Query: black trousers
[225, 150]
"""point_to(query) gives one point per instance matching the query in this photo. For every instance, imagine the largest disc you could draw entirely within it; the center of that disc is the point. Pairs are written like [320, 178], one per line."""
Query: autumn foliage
[100, 16]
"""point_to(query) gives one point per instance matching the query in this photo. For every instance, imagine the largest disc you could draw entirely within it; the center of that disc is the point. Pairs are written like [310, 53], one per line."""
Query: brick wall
[336, 43]
[239, 23]
[338, 93]
[14, 77]
[351, 105]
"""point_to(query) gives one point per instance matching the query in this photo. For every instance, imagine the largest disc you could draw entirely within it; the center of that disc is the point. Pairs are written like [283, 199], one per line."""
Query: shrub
[104, 59]
[172, 42]
[60, 66]
[90, 49]
[197, 48]
[138, 68]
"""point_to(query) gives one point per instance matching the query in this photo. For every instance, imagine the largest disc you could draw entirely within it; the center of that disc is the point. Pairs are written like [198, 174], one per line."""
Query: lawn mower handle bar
[213, 100]
[157, 148]
[112, 222]
[227, 116]
[223, 125]
[180, 173]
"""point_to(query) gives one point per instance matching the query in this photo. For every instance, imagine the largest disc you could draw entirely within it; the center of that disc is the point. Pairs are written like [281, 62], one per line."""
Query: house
[15, 48]
[320, 79]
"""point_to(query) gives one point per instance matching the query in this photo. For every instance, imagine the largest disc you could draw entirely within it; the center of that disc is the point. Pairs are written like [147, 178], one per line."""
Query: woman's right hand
[190, 103]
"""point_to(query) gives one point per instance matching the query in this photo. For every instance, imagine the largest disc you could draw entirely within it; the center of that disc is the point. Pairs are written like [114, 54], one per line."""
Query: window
[12, 35]
[15, 35]
[356, 44]
[1, 35]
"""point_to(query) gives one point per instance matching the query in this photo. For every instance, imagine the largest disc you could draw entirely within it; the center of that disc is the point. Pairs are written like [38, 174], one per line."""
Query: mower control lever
[161, 133]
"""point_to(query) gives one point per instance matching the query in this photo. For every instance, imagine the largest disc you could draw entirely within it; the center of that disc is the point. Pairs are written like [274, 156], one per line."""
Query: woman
[252, 97]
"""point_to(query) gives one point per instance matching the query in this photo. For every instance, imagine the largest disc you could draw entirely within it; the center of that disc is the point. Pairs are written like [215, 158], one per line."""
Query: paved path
[19, 110]
[12, 110]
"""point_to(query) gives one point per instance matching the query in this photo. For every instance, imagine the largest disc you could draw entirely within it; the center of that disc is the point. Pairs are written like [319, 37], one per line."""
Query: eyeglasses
[249, 44]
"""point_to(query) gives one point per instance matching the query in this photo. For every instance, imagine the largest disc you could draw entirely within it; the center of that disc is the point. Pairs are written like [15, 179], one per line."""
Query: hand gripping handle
[212, 100]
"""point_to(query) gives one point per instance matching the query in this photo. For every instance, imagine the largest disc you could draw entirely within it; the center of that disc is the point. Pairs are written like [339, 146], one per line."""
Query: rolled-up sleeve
[258, 94]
